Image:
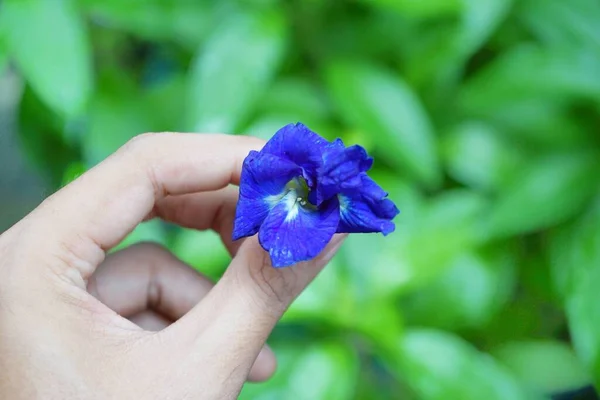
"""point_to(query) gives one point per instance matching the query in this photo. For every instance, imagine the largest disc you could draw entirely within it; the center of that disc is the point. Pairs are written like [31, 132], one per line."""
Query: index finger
[96, 211]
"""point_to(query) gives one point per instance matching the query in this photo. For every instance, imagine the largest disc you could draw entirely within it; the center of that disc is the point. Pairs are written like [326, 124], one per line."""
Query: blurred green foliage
[483, 118]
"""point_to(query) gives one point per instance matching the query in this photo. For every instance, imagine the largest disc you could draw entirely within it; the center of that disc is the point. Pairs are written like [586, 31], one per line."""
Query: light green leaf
[232, 69]
[449, 226]
[545, 365]
[295, 96]
[266, 126]
[477, 155]
[322, 371]
[530, 90]
[203, 250]
[549, 190]
[574, 250]
[390, 266]
[437, 365]
[583, 314]
[359, 306]
[575, 258]
[371, 270]
[480, 18]
[150, 231]
[374, 100]
[312, 304]
[565, 24]
[542, 120]
[471, 290]
[49, 42]
[529, 71]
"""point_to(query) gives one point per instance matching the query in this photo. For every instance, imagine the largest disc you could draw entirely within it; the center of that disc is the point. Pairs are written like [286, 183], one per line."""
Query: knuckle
[139, 143]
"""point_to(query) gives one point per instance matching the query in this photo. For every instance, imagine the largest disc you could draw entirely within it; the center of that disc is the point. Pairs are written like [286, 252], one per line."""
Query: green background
[482, 116]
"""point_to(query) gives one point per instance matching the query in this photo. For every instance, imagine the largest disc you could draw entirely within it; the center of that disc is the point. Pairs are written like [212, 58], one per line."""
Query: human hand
[78, 324]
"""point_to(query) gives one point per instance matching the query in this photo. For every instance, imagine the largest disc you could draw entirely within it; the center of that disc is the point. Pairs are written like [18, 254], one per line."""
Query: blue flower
[301, 189]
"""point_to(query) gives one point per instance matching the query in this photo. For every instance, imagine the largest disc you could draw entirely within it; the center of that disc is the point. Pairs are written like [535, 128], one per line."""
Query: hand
[78, 324]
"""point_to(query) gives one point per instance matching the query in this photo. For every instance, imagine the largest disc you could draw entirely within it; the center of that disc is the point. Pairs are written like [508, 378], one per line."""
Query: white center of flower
[294, 196]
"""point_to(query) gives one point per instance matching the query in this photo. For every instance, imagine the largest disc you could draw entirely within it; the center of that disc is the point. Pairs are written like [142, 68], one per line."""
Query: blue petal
[341, 170]
[366, 209]
[262, 185]
[300, 145]
[292, 233]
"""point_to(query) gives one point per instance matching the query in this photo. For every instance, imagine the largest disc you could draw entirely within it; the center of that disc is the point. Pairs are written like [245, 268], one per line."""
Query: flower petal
[341, 170]
[262, 186]
[366, 209]
[300, 145]
[292, 233]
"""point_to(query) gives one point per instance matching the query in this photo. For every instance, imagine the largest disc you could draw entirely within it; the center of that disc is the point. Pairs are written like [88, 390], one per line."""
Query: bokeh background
[482, 116]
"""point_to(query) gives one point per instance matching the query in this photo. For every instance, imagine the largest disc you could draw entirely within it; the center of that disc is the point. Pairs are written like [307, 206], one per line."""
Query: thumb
[230, 326]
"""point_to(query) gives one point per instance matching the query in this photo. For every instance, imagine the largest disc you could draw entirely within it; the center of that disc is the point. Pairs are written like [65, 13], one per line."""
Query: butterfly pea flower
[300, 189]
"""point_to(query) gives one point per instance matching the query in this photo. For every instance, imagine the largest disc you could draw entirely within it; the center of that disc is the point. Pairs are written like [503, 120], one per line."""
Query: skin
[76, 323]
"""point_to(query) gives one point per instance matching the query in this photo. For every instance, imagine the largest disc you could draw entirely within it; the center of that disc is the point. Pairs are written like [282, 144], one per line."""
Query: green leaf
[49, 42]
[440, 60]
[150, 231]
[359, 306]
[583, 314]
[40, 130]
[266, 126]
[117, 113]
[365, 298]
[391, 269]
[471, 290]
[165, 103]
[3, 58]
[574, 250]
[295, 96]
[478, 156]
[564, 24]
[574, 254]
[187, 23]
[321, 371]
[480, 18]
[437, 365]
[380, 103]
[203, 250]
[549, 190]
[312, 303]
[418, 8]
[73, 171]
[450, 225]
[529, 71]
[532, 90]
[544, 121]
[547, 366]
[232, 69]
